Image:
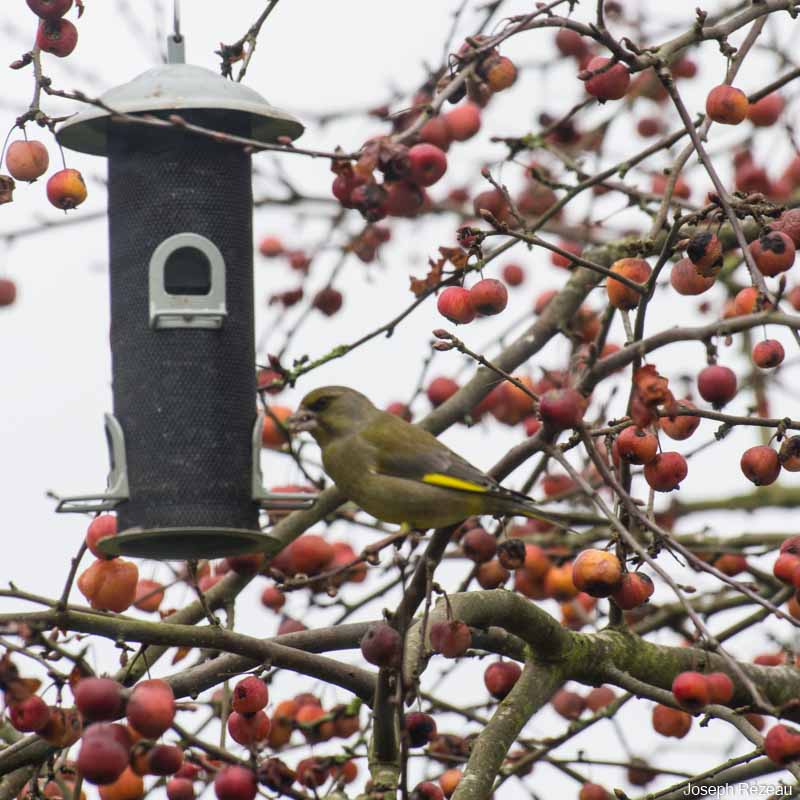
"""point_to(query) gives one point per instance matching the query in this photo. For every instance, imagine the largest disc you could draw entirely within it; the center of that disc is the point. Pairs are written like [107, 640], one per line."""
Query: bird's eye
[320, 404]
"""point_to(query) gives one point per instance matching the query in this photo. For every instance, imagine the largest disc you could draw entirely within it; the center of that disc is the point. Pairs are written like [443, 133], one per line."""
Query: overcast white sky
[312, 58]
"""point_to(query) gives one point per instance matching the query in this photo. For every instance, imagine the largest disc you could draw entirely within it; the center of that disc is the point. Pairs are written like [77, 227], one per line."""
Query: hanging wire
[176, 46]
[176, 17]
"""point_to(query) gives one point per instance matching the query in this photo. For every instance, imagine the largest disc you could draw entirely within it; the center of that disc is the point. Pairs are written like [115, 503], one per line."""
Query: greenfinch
[400, 473]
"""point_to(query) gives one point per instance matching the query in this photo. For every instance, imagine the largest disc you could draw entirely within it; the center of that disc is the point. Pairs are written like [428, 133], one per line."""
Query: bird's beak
[302, 420]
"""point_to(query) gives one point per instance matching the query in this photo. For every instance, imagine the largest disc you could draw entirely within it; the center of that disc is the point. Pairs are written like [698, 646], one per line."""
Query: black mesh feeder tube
[184, 438]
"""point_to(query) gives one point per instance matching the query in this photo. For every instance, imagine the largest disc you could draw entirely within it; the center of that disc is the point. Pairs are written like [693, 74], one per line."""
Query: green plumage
[398, 472]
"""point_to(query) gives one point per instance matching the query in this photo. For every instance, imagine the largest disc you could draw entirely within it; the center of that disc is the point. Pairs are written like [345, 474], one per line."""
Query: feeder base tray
[184, 544]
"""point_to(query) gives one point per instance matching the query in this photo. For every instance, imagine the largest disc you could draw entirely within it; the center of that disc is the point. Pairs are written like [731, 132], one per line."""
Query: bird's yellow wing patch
[449, 482]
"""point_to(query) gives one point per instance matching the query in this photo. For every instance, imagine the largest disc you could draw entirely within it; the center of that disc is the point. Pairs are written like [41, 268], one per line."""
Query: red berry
[512, 552]
[620, 295]
[665, 472]
[671, 721]
[500, 677]
[684, 68]
[785, 566]
[8, 292]
[29, 715]
[49, 9]
[648, 127]
[681, 427]
[180, 789]
[488, 297]
[151, 707]
[761, 465]
[567, 704]
[571, 43]
[790, 454]
[691, 690]
[346, 773]
[789, 222]
[637, 446]
[717, 385]
[248, 729]
[101, 759]
[249, 695]
[686, 280]
[513, 274]
[463, 122]
[451, 638]
[235, 783]
[770, 659]
[273, 598]
[781, 744]
[705, 252]
[727, 105]
[592, 791]
[768, 354]
[766, 111]
[271, 247]
[479, 545]
[435, 132]
[328, 301]
[455, 304]
[98, 698]
[27, 159]
[421, 728]
[600, 697]
[343, 186]
[66, 189]
[558, 260]
[309, 554]
[509, 403]
[640, 773]
[532, 425]
[491, 574]
[427, 164]
[299, 261]
[500, 72]
[109, 585]
[426, 791]
[634, 589]
[381, 645]
[492, 201]
[312, 772]
[400, 410]
[57, 36]
[610, 84]
[720, 687]
[562, 408]
[404, 199]
[596, 572]
[773, 253]
[441, 389]
[164, 759]
[731, 564]
[99, 528]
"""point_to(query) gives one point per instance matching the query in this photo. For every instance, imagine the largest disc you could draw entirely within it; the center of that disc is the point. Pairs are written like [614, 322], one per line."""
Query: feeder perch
[184, 439]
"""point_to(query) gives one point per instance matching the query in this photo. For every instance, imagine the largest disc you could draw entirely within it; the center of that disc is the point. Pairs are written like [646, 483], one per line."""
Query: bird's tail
[526, 507]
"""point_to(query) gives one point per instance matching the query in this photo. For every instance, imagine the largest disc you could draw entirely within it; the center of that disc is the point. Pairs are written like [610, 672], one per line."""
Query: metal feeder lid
[176, 87]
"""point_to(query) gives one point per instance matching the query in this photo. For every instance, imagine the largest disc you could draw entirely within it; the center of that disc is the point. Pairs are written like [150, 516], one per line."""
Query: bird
[399, 472]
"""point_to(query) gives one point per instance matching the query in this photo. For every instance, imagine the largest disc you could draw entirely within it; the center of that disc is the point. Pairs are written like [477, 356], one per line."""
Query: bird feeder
[185, 438]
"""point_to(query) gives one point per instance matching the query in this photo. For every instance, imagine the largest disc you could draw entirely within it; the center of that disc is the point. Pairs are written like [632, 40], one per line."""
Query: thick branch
[592, 658]
[535, 687]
